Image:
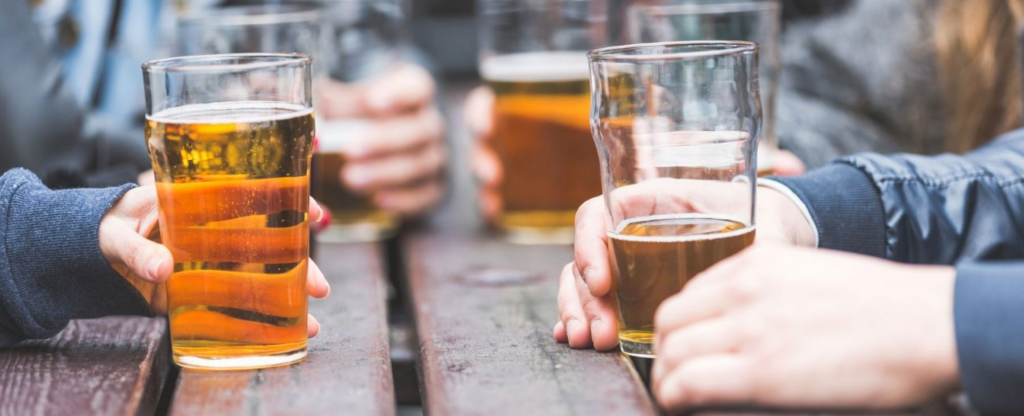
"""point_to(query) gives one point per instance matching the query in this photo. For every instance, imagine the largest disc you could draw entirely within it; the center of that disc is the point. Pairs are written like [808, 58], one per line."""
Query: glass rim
[711, 49]
[253, 15]
[712, 8]
[217, 62]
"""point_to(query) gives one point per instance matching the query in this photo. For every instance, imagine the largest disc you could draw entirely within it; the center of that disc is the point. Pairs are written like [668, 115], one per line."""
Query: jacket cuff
[55, 264]
[987, 313]
[845, 207]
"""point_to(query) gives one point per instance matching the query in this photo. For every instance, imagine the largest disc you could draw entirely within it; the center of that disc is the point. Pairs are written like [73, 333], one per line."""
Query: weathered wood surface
[108, 366]
[348, 370]
[484, 312]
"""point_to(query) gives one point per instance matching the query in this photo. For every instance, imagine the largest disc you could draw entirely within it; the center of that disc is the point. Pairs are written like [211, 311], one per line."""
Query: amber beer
[541, 134]
[233, 187]
[655, 256]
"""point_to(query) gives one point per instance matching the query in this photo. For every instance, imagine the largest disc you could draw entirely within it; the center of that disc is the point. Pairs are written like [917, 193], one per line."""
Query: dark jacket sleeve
[51, 268]
[915, 209]
[967, 210]
[42, 127]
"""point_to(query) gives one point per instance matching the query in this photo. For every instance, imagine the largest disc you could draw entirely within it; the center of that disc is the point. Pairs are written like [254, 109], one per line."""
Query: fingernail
[153, 269]
[594, 325]
[319, 209]
[328, 284]
[588, 274]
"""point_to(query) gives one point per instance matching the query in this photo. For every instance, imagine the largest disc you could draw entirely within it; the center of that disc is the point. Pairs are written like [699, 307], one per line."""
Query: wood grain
[348, 370]
[108, 366]
[484, 312]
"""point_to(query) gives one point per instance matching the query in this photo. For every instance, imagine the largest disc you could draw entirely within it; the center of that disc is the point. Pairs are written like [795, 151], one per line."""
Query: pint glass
[350, 41]
[533, 57]
[230, 138]
[754, 21]
[360, 43]
[676, 126]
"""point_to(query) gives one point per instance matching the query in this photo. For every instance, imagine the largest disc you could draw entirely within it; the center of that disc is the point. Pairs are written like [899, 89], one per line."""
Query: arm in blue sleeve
[987, 310]
[51, 268]
[917, 209]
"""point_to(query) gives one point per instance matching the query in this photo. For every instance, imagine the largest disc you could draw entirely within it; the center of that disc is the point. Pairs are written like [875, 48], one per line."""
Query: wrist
[779, 215]
[937, 362]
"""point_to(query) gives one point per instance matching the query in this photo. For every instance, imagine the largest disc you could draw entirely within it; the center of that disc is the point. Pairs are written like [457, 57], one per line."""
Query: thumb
[146, 259]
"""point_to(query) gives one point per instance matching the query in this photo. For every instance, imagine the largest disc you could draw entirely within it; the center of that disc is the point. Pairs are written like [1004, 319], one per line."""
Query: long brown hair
[979, 68]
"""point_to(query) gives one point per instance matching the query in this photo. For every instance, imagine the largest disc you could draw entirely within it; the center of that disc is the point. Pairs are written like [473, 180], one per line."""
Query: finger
[341, 100]
[490, 204]
[404, 88]
[395, 170]
[316, 282]
[312, 326]
[709, 380]
[316, 213]
[478, 111]
[600, 313]
[688, 308]
[149, 260]
[559, 332]
[396, 135]
[591, 247]
[704, 338]
[411, 201]
[570, 310]
[486, 165]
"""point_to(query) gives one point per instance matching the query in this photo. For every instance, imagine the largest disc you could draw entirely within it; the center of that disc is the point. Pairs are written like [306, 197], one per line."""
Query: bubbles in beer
[233, 181]
[655, 256]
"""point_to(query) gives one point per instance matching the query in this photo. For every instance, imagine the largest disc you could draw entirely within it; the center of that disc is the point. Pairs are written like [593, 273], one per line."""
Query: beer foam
[679, 238]
[536, 66]
[230, 112]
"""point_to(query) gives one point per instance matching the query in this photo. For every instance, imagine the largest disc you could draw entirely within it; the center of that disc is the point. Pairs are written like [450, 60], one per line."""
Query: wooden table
[482, 311]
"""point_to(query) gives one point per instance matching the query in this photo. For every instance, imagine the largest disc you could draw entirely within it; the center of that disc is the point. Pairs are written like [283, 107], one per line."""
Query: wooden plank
[348, 370]
[484, 313]
[108, 366]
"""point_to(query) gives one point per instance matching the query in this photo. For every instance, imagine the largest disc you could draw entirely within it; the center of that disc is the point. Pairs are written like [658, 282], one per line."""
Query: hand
[485, 163]
[147, 264]
[399, 158]
[147, 178]
[791, 327]
[586, 307]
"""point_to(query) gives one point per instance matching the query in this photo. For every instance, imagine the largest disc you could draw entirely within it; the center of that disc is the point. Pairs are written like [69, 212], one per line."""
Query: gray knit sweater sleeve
[51, 268]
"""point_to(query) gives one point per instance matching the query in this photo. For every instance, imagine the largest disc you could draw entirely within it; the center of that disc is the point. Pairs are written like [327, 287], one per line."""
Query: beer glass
[754, 21]
[533, 56]
[351, 41]
[361, 42]
[230, 138]
[676, 127]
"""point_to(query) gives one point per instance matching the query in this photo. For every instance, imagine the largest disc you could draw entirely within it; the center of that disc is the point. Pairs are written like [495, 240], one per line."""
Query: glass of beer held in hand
[534, 60]
[676, 126]
[230, 138]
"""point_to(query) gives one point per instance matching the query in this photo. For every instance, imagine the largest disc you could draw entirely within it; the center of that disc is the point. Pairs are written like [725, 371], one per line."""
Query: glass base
[355, 233]
[240, 363]
[636, 349]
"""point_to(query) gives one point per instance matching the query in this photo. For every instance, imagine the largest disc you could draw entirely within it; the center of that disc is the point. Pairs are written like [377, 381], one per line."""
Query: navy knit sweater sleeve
[965, 210]
[51, 268]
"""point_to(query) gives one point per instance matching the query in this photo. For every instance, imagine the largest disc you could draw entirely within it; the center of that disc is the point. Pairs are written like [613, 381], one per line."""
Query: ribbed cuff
[53, 253]
[987, 312]
[845, 207]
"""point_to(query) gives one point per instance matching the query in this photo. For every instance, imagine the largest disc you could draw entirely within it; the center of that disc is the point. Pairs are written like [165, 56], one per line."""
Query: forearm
[916, 209]
[51, 268]
[990, 335]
